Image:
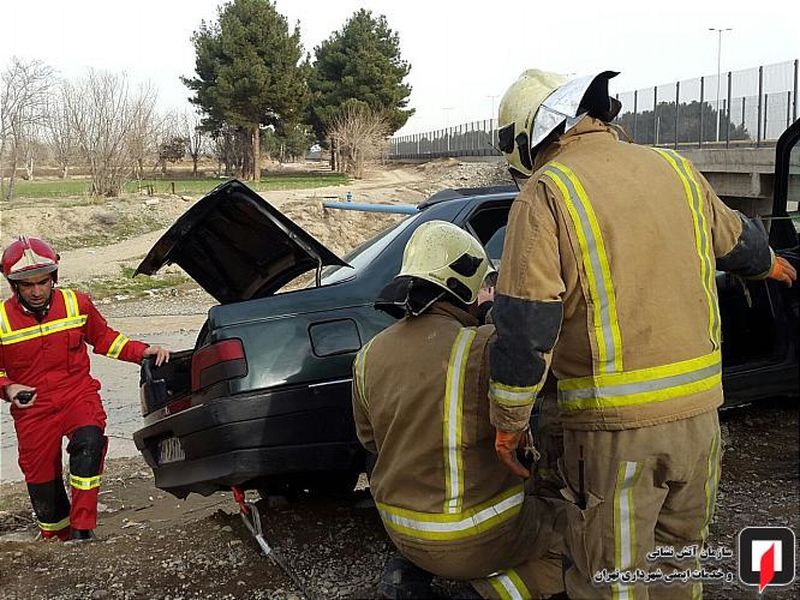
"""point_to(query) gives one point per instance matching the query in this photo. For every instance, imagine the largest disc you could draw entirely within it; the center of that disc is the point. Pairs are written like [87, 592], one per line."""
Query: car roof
[505, 190]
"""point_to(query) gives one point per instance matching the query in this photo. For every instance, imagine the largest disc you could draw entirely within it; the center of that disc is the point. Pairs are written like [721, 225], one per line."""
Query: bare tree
[108, 119]
[359, 136]
[194, 135]
[26, 85]
[146, 130]
[59, 133]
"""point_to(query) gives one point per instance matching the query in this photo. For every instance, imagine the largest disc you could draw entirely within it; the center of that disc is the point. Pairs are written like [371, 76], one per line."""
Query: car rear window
[364, 254]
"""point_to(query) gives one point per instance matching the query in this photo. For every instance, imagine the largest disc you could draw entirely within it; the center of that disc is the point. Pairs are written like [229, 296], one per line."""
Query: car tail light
[217, 362]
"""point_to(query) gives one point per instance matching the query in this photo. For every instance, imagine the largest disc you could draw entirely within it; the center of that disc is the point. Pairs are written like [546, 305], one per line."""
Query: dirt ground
[153, 545]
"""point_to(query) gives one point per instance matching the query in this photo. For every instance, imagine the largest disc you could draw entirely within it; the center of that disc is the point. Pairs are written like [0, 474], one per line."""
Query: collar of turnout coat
[586, 127]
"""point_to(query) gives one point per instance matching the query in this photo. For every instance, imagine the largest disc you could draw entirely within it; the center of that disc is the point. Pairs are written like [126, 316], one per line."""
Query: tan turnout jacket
[608, 278]
[419, 401]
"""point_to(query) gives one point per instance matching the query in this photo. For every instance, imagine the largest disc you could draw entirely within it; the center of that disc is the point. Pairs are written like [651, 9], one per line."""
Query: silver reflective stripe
[29, 333]
[511, 398]
[509, 587]
[453, 416]
[624, 524]
[627, 389]
[451, 526]
[70, 303]
[593, 256]
[4, 326]
[707, 267]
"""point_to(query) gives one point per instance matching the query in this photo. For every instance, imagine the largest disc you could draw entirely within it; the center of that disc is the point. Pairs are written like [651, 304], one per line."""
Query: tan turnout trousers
[643, 488]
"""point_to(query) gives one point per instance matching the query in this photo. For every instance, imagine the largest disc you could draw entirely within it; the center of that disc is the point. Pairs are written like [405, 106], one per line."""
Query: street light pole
[446, 110]
[719, 67]
[492, 116]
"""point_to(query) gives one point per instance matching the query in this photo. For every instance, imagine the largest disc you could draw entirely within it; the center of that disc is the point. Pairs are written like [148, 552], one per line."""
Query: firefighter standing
[608, 278]
[44, 374]
[419, 401]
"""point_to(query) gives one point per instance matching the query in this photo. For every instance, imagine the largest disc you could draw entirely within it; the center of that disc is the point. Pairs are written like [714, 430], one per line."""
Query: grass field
[50, 188]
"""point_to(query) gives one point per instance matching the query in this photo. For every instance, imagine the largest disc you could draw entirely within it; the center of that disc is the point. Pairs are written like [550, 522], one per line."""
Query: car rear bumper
[244, 438]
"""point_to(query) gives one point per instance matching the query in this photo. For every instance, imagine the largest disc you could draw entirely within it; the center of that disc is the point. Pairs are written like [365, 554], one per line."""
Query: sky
[463, 55]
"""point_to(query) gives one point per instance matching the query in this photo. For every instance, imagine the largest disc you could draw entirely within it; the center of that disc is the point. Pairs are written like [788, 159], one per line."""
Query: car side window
[488, 224]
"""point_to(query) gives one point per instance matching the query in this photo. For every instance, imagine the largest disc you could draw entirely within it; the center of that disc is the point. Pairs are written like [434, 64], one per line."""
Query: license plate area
[170, 450]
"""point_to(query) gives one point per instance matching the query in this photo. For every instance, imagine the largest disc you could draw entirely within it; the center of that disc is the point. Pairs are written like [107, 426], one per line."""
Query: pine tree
[248, 72]
[361, 61]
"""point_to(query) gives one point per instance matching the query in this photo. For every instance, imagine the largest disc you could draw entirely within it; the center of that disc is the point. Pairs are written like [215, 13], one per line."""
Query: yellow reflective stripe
[3, 373]
[641, 386]
[71, 303]
[5, 326]
[712, 480]
[453, 410]
[54, 526]
[509, 586]
[453, 526]
[702, 238]
[361, 369]
[624, 524]
[595, 262]
[84, 483]
[29, 333]
[641, 375]
[116, 346]
[508, 395]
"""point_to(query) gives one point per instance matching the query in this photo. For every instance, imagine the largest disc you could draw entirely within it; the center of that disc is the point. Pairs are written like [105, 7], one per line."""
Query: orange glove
[506, 444]
[783, 271]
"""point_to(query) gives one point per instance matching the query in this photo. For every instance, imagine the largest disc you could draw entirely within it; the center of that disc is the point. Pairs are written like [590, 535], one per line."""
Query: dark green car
[263, 400]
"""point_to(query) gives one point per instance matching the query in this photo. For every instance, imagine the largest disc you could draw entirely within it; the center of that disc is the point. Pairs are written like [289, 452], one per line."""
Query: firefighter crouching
[44, 375]
[420, 406]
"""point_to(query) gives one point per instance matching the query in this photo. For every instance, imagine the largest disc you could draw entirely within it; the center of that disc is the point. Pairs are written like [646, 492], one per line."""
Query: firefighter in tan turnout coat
[420, 406]
[608, 280]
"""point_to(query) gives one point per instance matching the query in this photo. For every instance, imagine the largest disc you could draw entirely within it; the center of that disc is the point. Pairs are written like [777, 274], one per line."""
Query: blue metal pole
[399, 209]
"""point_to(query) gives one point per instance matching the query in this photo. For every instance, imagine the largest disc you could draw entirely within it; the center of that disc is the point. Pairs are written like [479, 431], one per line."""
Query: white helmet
[446, 256]
[539, 103]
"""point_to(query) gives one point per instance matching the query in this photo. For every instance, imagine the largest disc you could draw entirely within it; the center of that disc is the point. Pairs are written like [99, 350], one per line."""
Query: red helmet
[28, 257]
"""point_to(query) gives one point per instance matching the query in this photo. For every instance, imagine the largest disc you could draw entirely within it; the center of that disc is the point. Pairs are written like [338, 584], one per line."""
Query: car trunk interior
[169, 382]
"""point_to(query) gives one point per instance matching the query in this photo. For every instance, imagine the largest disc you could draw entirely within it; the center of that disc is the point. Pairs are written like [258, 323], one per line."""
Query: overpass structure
[730, 137]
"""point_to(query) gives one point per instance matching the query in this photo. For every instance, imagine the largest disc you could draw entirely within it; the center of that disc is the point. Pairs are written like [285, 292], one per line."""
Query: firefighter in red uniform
[44, 374]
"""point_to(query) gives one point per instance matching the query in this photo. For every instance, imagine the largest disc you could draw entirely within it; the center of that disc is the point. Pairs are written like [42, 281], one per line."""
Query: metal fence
[749, 107]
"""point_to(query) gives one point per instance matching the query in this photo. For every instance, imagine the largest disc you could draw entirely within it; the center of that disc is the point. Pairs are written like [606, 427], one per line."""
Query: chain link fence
[751, 107]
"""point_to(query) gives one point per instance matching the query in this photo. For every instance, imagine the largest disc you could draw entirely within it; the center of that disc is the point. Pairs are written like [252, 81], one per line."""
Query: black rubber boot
[82, 535]
[403, 580]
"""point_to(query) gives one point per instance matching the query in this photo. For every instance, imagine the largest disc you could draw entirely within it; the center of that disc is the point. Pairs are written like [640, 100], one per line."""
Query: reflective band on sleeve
[29, 333]
[641, 386]
[117, 345]
[84, 483]
[54, 526]
[3, 374]
[624, 525]
[507, 395]
[595, 263]
[452, 420]
[446, 526]
[509, 586]
[702, 237]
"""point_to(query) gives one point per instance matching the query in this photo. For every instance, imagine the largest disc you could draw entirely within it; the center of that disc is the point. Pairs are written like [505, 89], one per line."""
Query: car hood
[237, 246]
